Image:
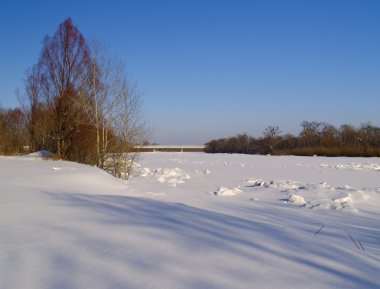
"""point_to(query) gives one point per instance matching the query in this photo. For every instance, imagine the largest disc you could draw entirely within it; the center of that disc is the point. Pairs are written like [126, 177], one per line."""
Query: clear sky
[210, 69]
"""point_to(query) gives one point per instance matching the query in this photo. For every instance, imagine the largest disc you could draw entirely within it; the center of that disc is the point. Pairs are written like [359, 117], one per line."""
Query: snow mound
[296, 200]
[286, 185]
[41, 154]
[324, 196]
[259, 183]
[314, 196]
[172, 177]
[338, 202]
[342, 200]
[144, 172]
[225, 191]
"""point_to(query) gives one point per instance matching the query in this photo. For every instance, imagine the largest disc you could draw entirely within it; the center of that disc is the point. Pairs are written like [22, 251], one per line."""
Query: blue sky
[210, 69]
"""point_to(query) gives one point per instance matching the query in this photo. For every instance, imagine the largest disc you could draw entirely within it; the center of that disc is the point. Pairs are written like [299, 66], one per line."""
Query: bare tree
[82, 100]
[34, 109]
[12, 131]
[63, 72]
[272, 137]
[329, 135]
[348, 135]
[113, 107]
[243, 143]
[127, 126]
[3, 130]
[311, 133]
[102, 100]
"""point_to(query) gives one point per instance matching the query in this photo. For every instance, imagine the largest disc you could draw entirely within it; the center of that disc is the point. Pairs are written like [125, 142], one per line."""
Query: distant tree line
[78, 104]
[315, 138]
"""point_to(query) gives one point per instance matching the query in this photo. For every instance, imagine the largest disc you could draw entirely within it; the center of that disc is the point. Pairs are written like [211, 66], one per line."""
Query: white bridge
[171, 148]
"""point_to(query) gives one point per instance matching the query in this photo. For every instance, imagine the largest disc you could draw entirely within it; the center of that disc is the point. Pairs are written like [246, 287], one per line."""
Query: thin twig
[320, 229]
[361, 245]
[353, 240]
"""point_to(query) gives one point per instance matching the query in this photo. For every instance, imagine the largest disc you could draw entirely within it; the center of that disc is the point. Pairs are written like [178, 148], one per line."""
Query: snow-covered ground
[191, 220]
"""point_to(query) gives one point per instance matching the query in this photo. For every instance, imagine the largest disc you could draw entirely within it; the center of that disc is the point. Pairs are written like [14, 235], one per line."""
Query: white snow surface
[41, 154]
[191, 220]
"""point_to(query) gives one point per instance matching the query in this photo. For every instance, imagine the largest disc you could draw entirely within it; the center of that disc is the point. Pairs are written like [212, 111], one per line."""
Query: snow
[354, 166]
[41, 154]
[223, 191]
[168, 176]
[191, 220]
[296, 199]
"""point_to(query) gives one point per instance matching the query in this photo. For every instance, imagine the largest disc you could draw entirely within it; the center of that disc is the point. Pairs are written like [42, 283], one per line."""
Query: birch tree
[113, 107]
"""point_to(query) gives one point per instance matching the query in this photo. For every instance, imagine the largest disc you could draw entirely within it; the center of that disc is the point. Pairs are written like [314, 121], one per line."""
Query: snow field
[190, 220]
[308, 195]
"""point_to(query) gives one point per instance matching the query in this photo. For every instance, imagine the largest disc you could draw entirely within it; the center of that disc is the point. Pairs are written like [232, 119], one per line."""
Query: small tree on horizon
[272, 137]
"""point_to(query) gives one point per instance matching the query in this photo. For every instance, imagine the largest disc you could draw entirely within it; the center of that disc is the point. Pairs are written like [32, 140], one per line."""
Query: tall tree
[63, 72]
[80, 104]
[112, 107]
[33, 109]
